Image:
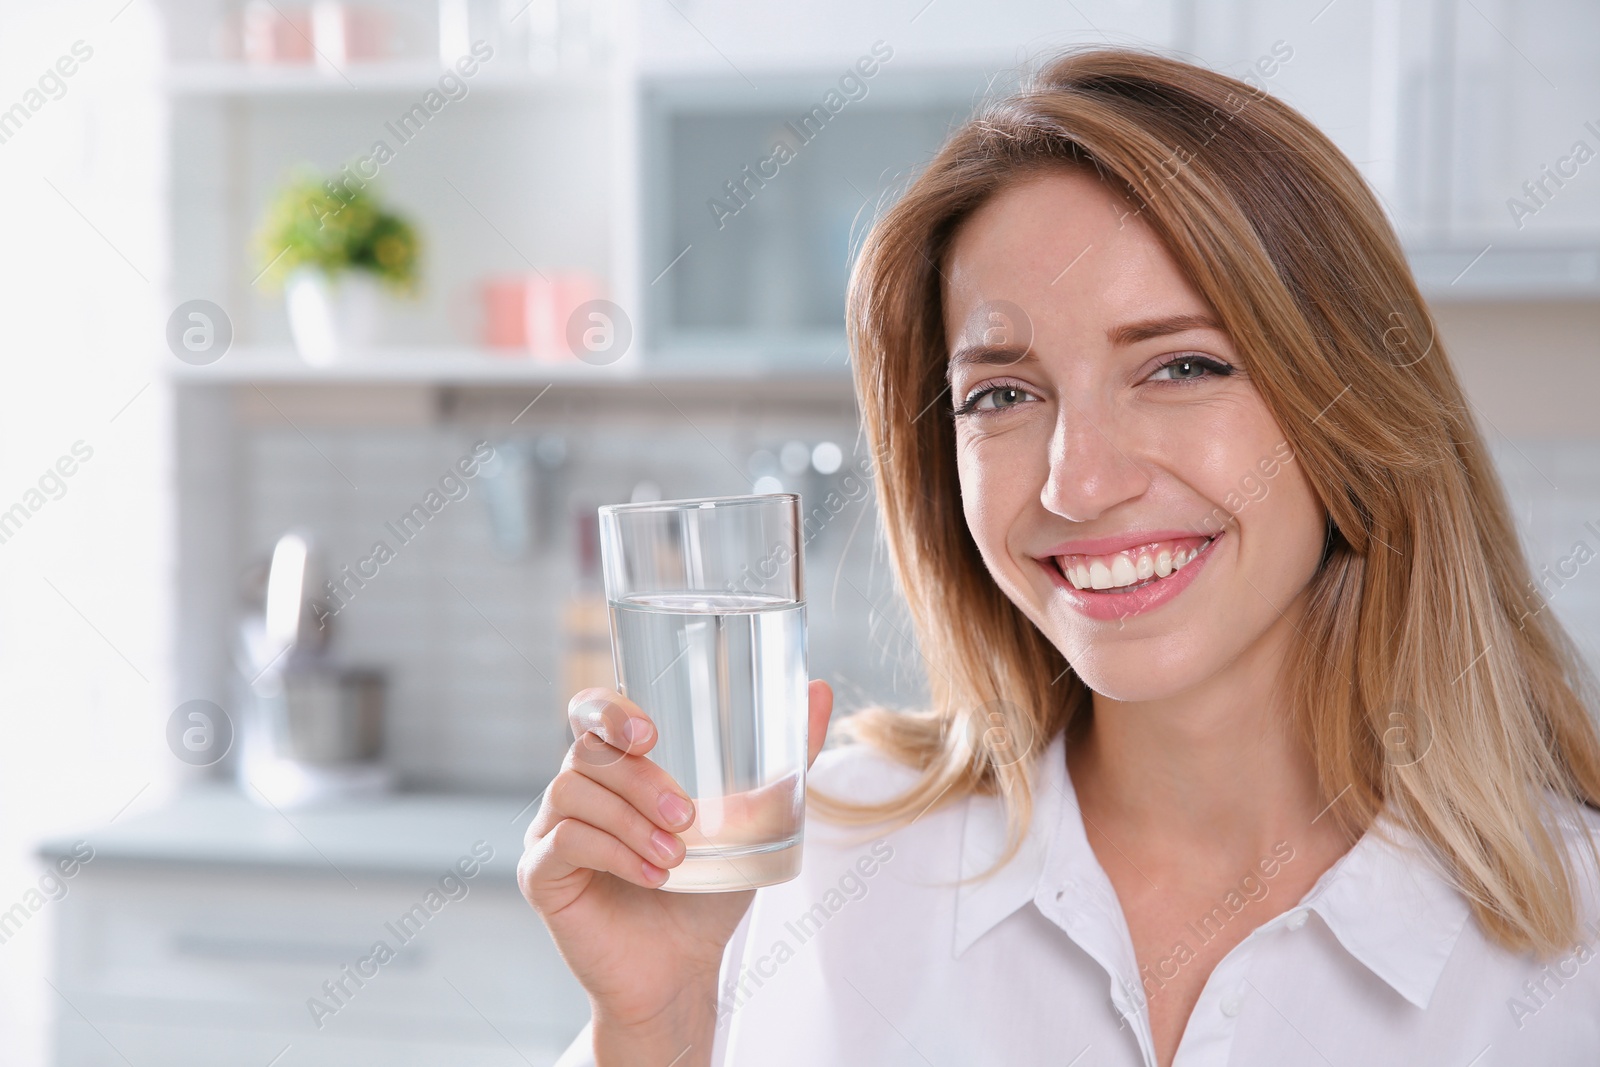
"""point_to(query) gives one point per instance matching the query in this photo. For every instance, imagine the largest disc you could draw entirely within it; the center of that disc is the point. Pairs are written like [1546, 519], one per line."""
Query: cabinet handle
[281, 950]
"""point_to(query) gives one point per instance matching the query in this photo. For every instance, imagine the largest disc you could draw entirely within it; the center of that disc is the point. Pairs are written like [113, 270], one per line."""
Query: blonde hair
[1423, 614]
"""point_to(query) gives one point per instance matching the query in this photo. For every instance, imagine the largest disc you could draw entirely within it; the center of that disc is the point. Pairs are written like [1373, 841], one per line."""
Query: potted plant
[335, 249]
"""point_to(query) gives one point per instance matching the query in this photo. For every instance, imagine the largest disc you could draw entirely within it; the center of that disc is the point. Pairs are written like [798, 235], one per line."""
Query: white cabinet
[1456, 111]
[167, 956]
[186, 966]
[752, 202]
[1521, 87]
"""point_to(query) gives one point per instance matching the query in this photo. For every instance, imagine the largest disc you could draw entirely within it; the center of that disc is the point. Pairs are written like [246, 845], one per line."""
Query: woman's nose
[1091, 468]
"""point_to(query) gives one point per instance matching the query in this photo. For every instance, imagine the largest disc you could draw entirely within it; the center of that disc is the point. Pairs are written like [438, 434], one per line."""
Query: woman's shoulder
[1576, 821]
[857, 773]
[842, 858]
[1575, 826]
[1579, 825]
[861, 773]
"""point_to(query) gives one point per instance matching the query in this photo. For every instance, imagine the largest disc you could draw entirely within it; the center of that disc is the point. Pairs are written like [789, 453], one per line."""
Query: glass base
[728, 870]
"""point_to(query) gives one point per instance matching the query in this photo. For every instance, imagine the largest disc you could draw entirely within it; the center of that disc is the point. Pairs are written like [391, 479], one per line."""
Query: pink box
[505, 312]
[529, 314]
[276, 34]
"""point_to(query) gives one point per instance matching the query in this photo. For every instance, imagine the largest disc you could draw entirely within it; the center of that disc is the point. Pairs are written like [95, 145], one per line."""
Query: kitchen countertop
[403, 833]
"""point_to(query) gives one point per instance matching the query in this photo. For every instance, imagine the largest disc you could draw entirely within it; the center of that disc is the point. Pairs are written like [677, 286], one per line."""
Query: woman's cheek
[996, 486]
[977, 490]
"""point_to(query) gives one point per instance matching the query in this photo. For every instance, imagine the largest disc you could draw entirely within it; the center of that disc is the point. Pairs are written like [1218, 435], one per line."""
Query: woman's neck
[1215, 774]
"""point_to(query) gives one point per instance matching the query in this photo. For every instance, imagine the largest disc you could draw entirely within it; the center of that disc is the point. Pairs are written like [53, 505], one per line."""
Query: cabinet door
[754, 202]
[1476, 122]
[173, 965]
[1523, 144]
[1338, 63]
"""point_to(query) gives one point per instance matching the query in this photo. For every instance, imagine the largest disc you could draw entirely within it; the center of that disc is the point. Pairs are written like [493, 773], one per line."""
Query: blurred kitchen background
[578, 270]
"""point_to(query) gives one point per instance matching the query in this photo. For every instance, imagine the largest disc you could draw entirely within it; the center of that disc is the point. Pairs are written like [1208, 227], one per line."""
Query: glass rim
[696, 502]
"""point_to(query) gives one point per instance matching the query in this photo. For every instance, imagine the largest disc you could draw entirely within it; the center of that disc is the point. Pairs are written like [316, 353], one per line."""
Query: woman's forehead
[1059, 247]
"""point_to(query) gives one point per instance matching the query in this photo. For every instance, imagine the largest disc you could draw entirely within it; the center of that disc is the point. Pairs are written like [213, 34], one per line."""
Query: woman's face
[1106, 425]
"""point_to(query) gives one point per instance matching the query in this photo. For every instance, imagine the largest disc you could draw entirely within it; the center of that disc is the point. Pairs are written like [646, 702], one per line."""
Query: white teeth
[1123, 570]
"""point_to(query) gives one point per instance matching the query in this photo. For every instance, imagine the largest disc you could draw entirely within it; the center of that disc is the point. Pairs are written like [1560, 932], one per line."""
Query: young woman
[1251, 740]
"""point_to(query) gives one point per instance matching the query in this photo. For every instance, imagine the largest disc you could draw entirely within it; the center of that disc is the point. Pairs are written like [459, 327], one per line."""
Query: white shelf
[240, 79]
[478, 366]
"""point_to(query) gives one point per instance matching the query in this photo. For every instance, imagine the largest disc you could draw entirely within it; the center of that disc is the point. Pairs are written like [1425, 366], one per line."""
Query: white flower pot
[334, 320]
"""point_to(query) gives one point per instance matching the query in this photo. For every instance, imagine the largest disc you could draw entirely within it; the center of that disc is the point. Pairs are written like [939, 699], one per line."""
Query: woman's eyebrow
[1126, 334]
[988, 355]
[1134, 332]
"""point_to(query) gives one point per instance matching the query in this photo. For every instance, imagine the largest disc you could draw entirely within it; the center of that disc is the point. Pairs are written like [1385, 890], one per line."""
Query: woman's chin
[1126, 674]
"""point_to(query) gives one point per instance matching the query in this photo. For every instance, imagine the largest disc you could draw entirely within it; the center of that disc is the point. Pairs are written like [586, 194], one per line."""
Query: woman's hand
[595, 854]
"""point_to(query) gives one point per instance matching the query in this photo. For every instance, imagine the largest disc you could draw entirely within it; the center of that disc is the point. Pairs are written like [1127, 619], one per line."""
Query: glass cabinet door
[754, 203]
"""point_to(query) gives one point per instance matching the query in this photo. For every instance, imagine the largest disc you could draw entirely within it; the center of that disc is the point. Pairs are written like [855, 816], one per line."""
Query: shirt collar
[1392, 907]
[1387, 902]
[982, 904]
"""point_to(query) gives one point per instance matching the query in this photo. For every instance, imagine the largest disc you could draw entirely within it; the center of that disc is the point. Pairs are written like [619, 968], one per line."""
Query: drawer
[173, 952]
[118, 1044]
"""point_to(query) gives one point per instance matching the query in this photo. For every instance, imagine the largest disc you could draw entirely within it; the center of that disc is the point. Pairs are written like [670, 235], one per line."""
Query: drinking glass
[708, 637]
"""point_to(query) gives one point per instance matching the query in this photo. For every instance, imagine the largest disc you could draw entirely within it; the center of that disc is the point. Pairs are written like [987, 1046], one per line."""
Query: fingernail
[637, 730]
[674, 808]
[665, 843]
[592, 716]
[652, 873]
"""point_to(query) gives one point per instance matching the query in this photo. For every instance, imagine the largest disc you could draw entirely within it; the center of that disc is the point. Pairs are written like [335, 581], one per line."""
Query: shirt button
[1231, 1004]
[1298, 919]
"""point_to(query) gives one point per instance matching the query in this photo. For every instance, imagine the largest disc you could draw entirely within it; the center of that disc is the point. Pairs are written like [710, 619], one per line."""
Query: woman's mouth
[1115, 586]
[1127, 571]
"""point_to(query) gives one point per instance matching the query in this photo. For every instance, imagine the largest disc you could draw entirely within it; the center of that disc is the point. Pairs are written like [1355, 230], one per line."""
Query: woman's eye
[1002, 396]
[1184, 370]
[1193, 368]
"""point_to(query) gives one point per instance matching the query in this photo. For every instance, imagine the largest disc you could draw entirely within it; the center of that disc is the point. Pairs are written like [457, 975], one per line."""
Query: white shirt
[864, 960]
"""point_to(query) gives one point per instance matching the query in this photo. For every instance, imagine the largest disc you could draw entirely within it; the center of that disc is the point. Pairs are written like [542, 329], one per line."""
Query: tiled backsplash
[471, 636]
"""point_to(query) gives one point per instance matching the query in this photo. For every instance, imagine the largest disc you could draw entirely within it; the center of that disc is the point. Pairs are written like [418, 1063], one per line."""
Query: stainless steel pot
[332, 715]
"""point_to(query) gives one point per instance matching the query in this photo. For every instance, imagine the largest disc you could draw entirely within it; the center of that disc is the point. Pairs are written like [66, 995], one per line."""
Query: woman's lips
[1109, 606]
